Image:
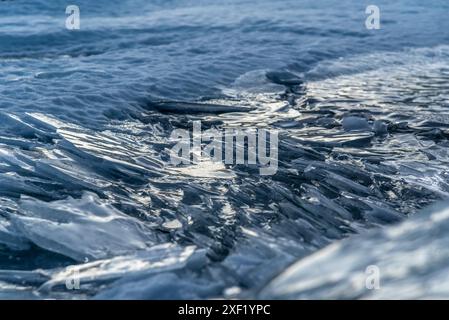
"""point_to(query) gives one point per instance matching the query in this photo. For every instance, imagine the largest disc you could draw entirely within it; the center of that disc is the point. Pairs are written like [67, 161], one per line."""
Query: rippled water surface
[86, 118]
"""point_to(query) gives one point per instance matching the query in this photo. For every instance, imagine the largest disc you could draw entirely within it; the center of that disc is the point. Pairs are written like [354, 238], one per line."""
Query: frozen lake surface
[86, 189]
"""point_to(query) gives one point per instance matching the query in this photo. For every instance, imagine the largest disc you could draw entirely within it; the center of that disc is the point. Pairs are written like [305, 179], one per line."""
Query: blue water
[84, 179]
